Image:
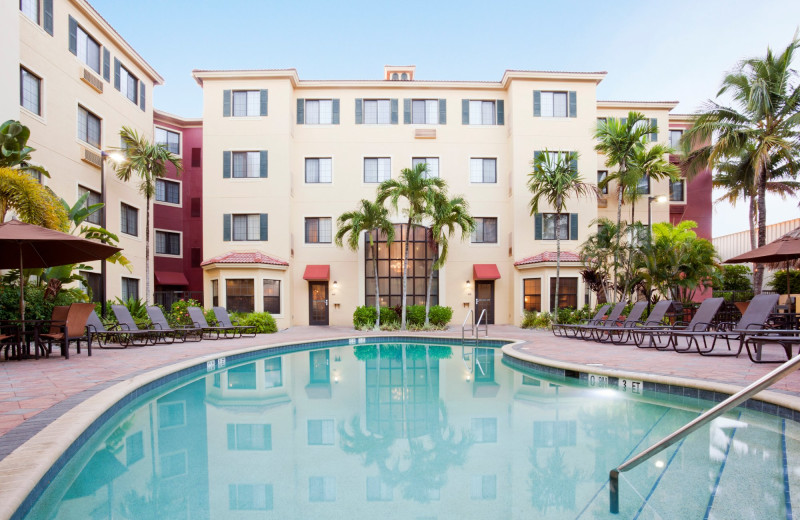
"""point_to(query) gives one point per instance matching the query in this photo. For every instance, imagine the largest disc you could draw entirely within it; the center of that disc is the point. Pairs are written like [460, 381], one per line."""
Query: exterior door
[484, 300]
[317, 303]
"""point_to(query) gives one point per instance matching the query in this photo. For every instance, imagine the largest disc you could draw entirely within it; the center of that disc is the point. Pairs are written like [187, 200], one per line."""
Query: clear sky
[676, 50]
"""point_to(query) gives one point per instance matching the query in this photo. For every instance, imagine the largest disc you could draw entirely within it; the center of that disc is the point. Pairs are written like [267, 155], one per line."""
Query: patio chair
[603, 333]
[129, 333]
[209, 331]
[755, 341]
[68, 324]
[9, 339]
[570, 329]
[225, 320]
[96, 329]
[701, 321]
[182, 334]
[626, 333]
[585, 331]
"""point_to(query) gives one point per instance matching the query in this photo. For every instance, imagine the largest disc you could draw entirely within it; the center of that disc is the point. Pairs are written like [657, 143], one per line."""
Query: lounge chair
[95, 329]
[661, 337]
[225, 320]
[605, 331]
[586, 331]
[570, 329]
[209, 331]
[159, 322]
[68, 324]
[626, 333]
[755, 341]
[129, 333]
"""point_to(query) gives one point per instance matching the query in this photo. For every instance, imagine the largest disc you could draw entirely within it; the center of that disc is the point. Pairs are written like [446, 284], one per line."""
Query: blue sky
[676, 50]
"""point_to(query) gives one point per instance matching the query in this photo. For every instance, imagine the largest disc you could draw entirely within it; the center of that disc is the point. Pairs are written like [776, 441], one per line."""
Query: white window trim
[173, 130]
[305, 118]
[319, 244]
[100, 45]
[261, 290]
[438, 104]
[39, 117]
[129, 275]
[180, 194]
[139, 237]
[87, 106]
[391, 168]
[183, 407]
[185, 463]
[180, 241]
[487, 244]
[257, 116]
[248, 179]
[364, 111]
[411, 161]
[555, 116]
[331, 157]
[496, 170]
[248, 214]
[678, 202]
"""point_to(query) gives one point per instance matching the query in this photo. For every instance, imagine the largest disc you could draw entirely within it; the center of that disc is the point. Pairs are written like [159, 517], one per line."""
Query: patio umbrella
[783, 250]
[28, 246]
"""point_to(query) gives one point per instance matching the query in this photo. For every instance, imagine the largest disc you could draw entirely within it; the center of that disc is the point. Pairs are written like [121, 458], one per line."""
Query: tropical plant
[369, 217]
[30, 201]
[446, 215]
[554, 179]
[263, 322]
[778, 281]
[14, 149]
[648, 163]
[765, 115]
[732, 282]
[148, 162]
[415, 187]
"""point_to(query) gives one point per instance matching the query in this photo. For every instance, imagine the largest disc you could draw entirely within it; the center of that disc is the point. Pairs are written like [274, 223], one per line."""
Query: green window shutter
[73, 36]
[501, 112]
[359, 111]
[394, 111]
[226, 227]
[654, 124]
[263, 226]
[465, 111]
[116, 73]
[263, 164]
[301, 114]
[573, 226]
[442, 111]
[537, 226]
[537, 103]
[264, 99]
[106, 64]
[335, 112]
[406, 111]
[231, 437]
[226, 165]
[573, 103]
[47, 19]
[226, 103]
[142, 96]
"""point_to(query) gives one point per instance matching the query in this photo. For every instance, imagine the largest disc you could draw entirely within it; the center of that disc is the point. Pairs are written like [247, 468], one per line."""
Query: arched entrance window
[422, 253]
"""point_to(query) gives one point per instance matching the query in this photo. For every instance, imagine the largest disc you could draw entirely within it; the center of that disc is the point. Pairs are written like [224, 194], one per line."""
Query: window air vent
[91, 157]
[92, 80]
[425, 133]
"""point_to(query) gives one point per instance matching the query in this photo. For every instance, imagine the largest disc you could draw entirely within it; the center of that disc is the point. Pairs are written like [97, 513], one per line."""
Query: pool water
[417, 431]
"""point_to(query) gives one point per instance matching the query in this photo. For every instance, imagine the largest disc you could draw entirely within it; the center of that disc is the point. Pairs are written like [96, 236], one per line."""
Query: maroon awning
[317, 273]
[485, 272]
[171, 278]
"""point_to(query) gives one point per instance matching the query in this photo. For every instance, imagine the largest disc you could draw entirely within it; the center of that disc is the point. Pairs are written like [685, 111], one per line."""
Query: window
[30, 8]
[321, 489]
[168, 191]
[485, 231]
[134, 448]
[273, 375]
[318, 170]
[130, 220]
[484, 487]
[377, 111]
[92, 199]
[554, 434]
[484, 430]
[88, 127]
[320, 432]
[246, 103]
[318, 230]
[643, 186]
[483, 170]
[250, 497]
[171, 140]
[128, 84]
[532, 294]
[567, 292]
[554, 104]
[549, 226]
[319, 112]
[168, 243]
[214, 293]
[92, 285]
[482, 113]
[272, 296]
[239, 295]
[378, 490]
[242, 377]
[246, 164]
[676, 190]
[88, 50]
[425, 111]
[675, 137]
[433, 165]
[377, 169]
[250, 437]
[130, 288]
[173, 464]
[30, 88]
[246, 227]
[601, 176]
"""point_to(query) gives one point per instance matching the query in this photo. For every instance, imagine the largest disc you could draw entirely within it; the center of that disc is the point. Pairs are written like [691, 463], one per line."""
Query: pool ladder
[474, 328]
[729, 403]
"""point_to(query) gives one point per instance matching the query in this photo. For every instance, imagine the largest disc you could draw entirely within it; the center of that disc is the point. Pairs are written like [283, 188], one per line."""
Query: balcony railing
[167, 298]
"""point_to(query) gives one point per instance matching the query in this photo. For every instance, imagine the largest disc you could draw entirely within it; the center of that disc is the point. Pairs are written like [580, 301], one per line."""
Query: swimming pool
[414, 430]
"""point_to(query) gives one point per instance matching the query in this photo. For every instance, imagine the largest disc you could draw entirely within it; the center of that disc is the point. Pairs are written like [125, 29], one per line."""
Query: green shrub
[364, 317]
[179, 313]
[440, 316]
[567, 315]
[536, 320]
[389, 317]
[36, 308]
[263, 321]
[415, 315]
[778, 281]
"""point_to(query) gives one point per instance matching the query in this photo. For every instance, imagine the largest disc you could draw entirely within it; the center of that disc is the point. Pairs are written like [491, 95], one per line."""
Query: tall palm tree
[147, 161]
[446, 215]
[649, 163]
[370, 216]
[765, 113]
[619, 141]
[553, 180]
[415, 187]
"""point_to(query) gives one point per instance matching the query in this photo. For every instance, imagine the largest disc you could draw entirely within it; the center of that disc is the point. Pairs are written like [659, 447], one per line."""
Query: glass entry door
[484, 300]
[317, 303]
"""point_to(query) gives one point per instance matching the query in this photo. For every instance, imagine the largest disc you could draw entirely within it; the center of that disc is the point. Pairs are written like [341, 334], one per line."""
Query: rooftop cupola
[399, 73]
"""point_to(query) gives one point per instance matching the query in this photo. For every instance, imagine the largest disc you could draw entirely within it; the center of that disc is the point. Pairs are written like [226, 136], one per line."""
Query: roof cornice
[662, 105]
[166, 117]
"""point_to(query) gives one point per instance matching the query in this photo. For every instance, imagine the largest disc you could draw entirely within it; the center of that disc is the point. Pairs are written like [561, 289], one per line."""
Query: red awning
[317, 273]
[485, 272]
[171, 278]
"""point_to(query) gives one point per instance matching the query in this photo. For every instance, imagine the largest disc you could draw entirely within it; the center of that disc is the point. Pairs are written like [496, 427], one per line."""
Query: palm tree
[619, 140]
[649, 163]
[554, 179]
[149, 162]
[765, 114]
[415, 187]
[596, 254]
[446, 215]
[30, 201]
[368, 217]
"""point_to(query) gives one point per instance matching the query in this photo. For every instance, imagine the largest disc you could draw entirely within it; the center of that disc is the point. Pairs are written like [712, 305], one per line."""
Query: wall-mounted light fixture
[468, 283]
[335, 284]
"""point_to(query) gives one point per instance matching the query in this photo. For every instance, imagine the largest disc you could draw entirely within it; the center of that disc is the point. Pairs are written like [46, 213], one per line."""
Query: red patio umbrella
[783, 250]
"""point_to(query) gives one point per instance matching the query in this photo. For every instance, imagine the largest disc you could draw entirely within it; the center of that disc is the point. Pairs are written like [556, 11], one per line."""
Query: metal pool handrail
[485, 325]
[464, 326]
[731, 402]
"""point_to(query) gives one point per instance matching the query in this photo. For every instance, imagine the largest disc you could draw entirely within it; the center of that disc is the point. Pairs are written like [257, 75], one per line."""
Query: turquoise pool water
[417, 431]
